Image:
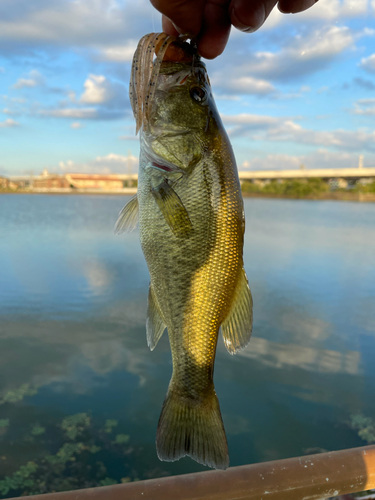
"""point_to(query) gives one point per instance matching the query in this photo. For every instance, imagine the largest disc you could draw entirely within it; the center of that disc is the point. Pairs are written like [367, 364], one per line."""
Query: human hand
[211, 20]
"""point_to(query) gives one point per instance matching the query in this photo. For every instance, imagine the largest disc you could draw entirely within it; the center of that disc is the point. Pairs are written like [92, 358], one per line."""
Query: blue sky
[301, 90]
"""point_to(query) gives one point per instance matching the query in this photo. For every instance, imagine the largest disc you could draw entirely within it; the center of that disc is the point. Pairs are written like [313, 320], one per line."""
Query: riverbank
[331, 195]
[69, 191]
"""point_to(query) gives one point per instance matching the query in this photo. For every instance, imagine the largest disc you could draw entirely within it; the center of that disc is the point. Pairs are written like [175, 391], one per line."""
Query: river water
[72, 330]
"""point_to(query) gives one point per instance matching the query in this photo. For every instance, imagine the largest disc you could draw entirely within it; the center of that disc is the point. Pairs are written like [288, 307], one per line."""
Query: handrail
[310, 477]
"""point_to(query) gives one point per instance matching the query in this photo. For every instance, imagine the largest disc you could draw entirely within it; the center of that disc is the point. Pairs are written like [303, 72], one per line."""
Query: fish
[191, 224]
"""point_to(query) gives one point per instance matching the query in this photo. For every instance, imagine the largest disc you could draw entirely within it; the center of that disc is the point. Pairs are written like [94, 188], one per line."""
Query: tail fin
[193, 428]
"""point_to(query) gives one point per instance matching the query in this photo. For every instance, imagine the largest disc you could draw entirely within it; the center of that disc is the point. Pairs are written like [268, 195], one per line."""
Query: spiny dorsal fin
[155, 325]
[128, 217]
[237, 326]
[173, 210]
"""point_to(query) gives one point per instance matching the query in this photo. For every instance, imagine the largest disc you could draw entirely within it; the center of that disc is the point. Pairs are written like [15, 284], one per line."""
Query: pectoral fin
[128, 217]
[155, 325]
[237, 326]
[172, 209]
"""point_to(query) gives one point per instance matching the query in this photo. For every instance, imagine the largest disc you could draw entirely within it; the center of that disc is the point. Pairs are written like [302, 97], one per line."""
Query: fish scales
[191, 230]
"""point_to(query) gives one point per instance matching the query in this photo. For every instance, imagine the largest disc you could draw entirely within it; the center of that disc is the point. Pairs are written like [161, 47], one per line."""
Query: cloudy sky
[301, 90]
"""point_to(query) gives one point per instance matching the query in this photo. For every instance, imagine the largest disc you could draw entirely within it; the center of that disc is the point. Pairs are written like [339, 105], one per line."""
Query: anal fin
[128, 217]
[155, 325]
[237, 326]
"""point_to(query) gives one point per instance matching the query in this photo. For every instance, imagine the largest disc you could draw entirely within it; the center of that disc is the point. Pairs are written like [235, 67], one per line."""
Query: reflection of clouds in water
[278, 355]
[236, 424]
[41, 353]
[97, 275]
[103, 357]
[129, 313]
[365, 315]
[302, 326]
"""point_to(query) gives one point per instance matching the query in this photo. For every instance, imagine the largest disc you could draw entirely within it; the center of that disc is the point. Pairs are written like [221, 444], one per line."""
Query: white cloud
[95, 90]
[92, 24]
[329, 10]
[98, 90]
[368, 63]
[9, 123]
[255, 122]
[364, 107]
[66, 165]
[76, 125]
[2, 70]
[286, 130]
[243, 85]
[35, 79]
[110, 164]
[120, 53]
[83, 113]
[117, 163]
[302, 54]
[368, 111]
[129, 137]
[366, 102]
[321, 158]
[226, 97]
[108, 99]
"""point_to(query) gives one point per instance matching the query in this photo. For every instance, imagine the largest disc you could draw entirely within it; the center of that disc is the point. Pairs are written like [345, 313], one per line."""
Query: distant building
[50, 181]
[95, 181]
[6, 183]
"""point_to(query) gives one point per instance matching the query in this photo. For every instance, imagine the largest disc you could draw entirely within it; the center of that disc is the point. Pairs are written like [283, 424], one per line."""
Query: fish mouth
[157, 132]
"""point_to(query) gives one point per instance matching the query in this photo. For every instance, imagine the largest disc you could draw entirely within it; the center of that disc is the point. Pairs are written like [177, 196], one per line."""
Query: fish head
[183, 121]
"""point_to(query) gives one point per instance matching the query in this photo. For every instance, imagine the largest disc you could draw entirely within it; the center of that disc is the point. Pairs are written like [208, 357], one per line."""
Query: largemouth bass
[191, 224]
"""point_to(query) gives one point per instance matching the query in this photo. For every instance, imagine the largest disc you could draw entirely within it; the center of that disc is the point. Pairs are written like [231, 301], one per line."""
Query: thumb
[186, 15]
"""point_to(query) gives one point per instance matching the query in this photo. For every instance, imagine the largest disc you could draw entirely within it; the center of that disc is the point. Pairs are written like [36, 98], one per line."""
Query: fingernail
[249, 30]
[177, 28]
[258, 16]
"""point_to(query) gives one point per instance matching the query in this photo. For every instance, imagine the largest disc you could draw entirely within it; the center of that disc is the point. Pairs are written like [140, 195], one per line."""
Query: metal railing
[310, 477]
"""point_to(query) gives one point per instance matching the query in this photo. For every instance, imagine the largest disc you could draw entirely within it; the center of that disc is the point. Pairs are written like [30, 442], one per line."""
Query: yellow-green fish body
[191, 229]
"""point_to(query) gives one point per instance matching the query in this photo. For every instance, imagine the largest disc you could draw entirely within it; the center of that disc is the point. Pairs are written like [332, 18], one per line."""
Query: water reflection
[72, 324]
[316, 360]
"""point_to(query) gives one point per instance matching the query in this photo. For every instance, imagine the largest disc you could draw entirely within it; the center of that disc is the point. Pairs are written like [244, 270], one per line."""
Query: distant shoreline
[68, 192]
[332, 196]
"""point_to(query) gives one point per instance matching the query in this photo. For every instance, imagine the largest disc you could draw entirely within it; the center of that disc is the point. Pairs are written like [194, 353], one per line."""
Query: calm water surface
[72, 325]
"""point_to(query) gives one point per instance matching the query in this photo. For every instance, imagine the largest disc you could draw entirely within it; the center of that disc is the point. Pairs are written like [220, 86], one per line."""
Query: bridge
[322, 173]
[343, 174]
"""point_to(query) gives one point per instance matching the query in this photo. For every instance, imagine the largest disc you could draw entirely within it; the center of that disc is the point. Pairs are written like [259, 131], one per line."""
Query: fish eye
[198, 94]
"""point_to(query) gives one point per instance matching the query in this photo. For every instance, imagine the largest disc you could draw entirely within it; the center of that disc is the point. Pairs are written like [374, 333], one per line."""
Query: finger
[294, 6]
[168, 26]
[215, 29]
[186, 15]
[249, 15]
